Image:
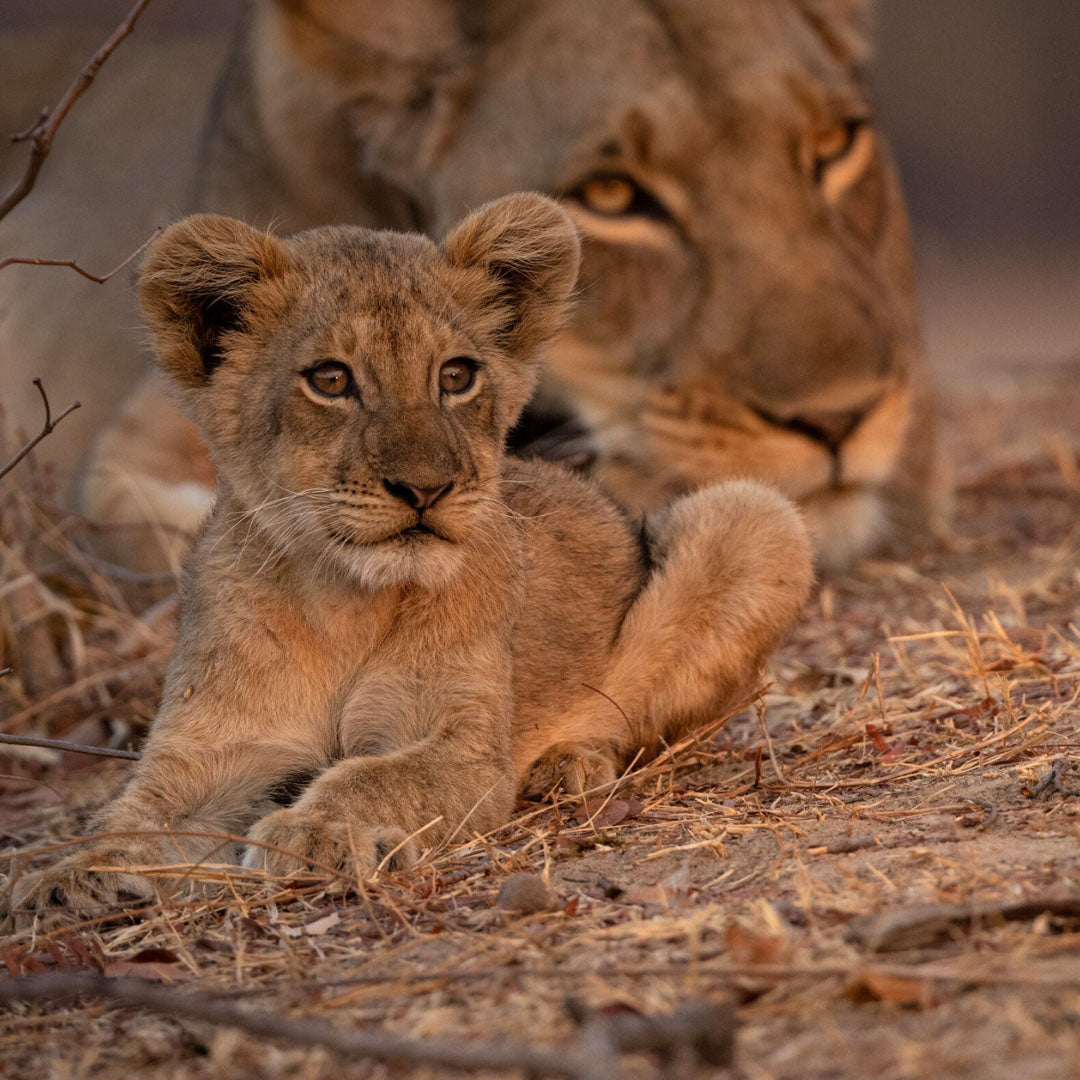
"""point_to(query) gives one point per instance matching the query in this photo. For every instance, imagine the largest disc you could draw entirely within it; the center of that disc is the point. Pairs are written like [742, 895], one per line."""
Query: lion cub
[384, 612]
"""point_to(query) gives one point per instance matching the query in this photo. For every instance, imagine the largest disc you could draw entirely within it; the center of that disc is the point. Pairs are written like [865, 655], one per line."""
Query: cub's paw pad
[74, 889]
[290, 841]
[571, 769]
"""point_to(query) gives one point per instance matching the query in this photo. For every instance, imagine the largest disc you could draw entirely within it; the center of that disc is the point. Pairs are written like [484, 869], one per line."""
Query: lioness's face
[746, 297]
[356, 388]
[745, 300]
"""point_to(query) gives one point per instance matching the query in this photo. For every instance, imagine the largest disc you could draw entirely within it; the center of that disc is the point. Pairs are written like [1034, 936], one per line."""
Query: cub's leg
[457, 780]
[733, 569]
[183, 783]
[150, 479]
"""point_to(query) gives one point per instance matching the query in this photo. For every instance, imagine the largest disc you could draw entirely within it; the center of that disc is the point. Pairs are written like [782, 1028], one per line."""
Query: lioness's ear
[844, 24]
[529, 252]
[194, 286]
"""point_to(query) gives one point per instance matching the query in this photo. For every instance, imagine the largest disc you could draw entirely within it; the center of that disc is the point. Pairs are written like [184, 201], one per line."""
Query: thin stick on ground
[700, 1026]
[100, 279]
[375, 1044]
[46, 428]
[42, 133]
[70, 747]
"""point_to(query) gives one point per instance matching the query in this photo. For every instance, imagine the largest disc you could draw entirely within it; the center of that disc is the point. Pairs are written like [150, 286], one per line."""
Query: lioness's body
[386, 617]
[751, 313]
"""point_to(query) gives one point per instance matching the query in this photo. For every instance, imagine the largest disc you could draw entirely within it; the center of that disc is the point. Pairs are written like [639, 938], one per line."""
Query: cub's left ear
[196, 286]
[528, 252]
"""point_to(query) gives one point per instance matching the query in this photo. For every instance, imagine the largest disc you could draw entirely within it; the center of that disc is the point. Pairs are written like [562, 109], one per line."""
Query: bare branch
[47, 428]
[703, 1030]
[42, 133]
[100, 279]
[64, 744]
[381, 1045]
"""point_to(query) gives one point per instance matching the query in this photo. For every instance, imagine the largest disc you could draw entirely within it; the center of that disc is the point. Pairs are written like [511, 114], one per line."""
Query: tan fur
[414, 680]
[765, 295]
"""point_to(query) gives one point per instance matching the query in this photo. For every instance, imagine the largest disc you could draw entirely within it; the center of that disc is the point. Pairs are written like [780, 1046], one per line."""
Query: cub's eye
[330, 378]
[616, 195]
[841, 153]
[457, 375]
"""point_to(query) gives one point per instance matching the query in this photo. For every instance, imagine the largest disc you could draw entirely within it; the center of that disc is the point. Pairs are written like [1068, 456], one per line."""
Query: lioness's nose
[419, 498]
[828, 428]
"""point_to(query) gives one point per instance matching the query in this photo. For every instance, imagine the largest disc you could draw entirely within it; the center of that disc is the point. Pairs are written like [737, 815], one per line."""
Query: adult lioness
[747, 305]
[381, 600]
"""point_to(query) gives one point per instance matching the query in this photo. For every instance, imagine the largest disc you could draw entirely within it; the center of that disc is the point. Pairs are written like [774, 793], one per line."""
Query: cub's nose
[419, 498]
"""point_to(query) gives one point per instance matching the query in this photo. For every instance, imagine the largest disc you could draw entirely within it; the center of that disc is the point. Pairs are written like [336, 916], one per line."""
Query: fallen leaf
[745, 947]
[12, 959]
[81, 951]
[617, 1008]
[880, 745]
[893, 989]
[59, 958]
[602, 814]
[320, 926]
[154, 956]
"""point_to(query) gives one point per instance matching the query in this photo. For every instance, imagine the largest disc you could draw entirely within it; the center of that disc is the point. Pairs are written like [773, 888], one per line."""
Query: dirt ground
[913, 749]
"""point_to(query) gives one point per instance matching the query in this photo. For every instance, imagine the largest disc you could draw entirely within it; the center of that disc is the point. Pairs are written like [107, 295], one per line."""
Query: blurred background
[981, 99]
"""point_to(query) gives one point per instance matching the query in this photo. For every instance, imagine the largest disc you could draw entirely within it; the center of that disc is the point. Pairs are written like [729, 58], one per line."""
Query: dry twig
[1051, 782]
[42, 133]
[13, 260]
[46, 428]
[922, 924]
[64, 744]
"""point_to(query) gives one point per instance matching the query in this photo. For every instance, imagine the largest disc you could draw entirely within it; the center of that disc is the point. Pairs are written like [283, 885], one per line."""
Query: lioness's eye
[616, 195]
[457, 375]
[841, 153]
[330, 378]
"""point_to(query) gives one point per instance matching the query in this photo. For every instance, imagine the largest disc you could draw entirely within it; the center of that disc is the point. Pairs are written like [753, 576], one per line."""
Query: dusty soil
[913, 748]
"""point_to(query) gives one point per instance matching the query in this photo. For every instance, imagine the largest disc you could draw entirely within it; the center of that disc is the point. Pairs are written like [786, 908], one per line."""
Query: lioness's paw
[75, 888]
[569, 768]
[291, 840]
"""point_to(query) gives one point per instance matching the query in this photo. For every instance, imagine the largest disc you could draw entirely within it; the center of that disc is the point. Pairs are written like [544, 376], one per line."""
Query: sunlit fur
[404, 687]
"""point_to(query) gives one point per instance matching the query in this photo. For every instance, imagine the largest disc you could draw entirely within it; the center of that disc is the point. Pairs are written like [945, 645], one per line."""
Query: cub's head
[356, 388]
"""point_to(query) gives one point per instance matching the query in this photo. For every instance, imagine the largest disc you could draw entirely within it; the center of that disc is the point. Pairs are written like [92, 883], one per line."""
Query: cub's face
[356, 388]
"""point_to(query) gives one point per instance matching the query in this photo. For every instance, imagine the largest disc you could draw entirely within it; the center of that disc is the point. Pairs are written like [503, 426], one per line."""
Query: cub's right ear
[195, 289]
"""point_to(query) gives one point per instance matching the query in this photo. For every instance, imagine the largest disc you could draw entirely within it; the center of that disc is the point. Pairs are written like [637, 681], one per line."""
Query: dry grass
[894, 761]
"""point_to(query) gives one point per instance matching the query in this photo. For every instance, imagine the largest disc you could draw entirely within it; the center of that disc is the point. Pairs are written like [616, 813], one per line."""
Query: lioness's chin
[430, 564]
[844, 524]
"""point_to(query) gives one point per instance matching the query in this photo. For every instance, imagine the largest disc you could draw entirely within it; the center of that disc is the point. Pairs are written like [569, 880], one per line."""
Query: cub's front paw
[81, 886]
[291, 840]
[570, 768]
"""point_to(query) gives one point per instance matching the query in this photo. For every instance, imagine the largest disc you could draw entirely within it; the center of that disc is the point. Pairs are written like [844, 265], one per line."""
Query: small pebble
[527, 894]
